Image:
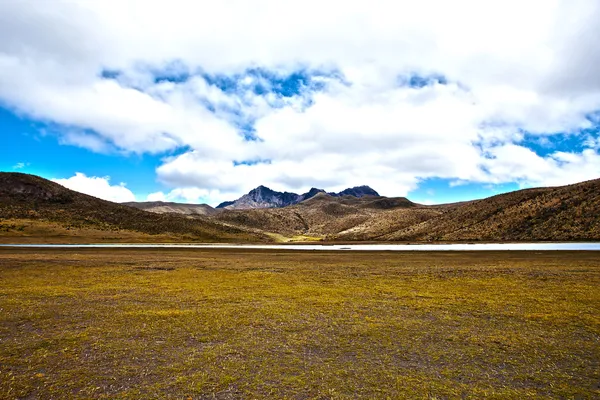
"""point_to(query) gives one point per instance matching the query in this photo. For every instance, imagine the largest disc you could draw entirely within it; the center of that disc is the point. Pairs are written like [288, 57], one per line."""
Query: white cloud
[86, 140]
[512, 66]
[98, 187]
[156, 196]
[191, 195]
[20, 165]
[516, 163]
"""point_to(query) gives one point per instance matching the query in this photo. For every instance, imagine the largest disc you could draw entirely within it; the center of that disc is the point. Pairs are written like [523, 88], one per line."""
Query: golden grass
[278, 238]
[278, 324]
[23, 231]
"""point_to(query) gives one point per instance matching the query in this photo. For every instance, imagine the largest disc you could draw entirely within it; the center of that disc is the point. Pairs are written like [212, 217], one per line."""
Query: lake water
[348, 247]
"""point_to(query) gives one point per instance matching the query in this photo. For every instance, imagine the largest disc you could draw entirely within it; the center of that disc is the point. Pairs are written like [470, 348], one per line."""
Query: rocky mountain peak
[311, 193]
[358, 191]
[264, 197]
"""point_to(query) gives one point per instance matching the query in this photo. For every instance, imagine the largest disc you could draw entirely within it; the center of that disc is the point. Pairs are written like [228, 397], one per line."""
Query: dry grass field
[228, 324]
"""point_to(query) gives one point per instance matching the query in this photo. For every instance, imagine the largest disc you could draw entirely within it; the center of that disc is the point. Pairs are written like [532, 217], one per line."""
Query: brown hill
[379, 226]
[562, 213]
[162, 207]
[30, 201]
[320, 216]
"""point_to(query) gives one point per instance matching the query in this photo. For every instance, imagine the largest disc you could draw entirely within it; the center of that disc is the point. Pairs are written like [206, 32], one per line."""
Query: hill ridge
[161, 207]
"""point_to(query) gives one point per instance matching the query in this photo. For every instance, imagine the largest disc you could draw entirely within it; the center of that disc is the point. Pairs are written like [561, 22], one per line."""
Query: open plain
[223, 323]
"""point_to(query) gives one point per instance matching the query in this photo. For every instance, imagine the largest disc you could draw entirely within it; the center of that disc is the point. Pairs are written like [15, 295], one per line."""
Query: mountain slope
[562, 213]
[379, 226]
[162, 207]
[31, 198]
[319, 216]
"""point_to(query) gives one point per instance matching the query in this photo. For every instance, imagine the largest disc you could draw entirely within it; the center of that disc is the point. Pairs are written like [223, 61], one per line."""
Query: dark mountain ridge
[263, 197]
[357, 191]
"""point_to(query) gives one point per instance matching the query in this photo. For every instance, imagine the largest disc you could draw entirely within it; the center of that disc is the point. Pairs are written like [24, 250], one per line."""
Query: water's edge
[349, 247]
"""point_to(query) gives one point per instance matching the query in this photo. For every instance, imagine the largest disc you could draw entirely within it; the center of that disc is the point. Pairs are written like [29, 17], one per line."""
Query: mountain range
[33, 209]
[263, 197]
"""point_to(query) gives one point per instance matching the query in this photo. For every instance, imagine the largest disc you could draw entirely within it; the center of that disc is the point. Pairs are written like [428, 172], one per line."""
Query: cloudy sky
[202, 101]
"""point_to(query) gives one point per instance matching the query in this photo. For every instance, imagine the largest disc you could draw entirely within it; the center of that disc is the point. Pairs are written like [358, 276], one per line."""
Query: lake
[347, 247]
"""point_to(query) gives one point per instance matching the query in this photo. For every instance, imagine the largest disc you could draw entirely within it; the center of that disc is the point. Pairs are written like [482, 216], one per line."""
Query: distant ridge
[161, 207]
[263, 197]
[225, 204]
[357, 191]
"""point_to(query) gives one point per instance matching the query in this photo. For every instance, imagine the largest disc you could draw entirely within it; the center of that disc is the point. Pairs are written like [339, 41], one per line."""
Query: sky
[202, 101]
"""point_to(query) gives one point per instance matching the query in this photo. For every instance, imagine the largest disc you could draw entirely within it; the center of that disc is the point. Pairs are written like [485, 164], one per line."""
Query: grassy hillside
[379, 226]
[31, 205]
[562, 213]
[319, 216]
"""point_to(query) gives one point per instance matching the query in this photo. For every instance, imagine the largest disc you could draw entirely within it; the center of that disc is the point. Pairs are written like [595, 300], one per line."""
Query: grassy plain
[203, 324]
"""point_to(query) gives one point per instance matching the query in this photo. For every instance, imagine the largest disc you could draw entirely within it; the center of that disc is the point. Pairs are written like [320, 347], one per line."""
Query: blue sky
[196, 104]
[32, 147]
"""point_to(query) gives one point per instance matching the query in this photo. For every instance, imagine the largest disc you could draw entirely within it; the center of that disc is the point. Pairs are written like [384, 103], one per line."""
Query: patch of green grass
[281, 324]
